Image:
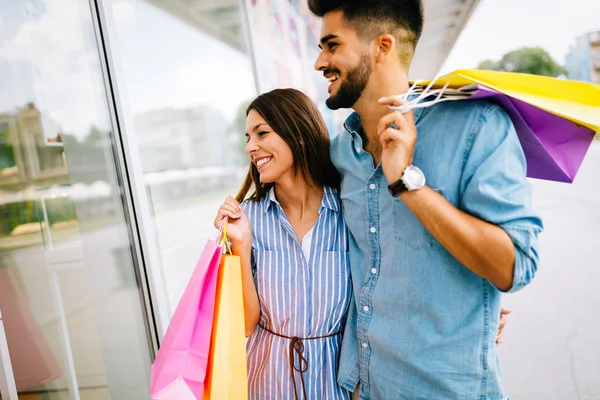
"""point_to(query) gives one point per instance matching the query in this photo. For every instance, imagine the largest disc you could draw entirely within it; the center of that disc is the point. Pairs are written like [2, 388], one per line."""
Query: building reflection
[186, 153]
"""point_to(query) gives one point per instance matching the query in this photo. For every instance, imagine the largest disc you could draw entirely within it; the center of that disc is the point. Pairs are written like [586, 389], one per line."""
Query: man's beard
[353, 85]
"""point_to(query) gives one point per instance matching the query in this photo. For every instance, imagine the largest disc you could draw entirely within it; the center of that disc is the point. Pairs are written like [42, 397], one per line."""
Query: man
[439, 214]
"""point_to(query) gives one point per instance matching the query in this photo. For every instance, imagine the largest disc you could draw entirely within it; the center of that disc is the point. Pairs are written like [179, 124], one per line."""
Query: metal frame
[249, 42]
[130, 175]
[444, 22]
[70, 361]
[148, 261]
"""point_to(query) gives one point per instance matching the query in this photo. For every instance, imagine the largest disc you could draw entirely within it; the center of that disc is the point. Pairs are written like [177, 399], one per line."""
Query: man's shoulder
[341, 140]
[479, 109]
[341, 149]
[465, 120]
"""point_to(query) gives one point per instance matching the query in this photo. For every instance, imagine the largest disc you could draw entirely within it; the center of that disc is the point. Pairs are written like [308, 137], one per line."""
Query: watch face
[414, 178]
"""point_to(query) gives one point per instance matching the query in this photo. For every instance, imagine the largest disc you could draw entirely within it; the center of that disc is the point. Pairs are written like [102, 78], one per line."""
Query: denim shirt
[422, 325]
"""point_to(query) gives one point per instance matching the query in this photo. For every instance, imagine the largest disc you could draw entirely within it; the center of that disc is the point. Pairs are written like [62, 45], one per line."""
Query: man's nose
[321, 63]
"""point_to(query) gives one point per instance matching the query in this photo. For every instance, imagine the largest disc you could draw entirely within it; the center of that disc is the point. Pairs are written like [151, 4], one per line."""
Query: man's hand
[397, 140]
[504, 312]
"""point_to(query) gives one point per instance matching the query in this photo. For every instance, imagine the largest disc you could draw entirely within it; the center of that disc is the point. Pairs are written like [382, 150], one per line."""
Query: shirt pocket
[408, 230]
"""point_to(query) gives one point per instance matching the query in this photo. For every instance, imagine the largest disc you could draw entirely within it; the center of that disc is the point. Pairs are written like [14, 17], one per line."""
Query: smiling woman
[285, 126]
[292, 241]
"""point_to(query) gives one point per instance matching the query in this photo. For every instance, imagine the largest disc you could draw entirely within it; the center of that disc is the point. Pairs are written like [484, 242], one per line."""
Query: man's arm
[485, 249]
[494, 232]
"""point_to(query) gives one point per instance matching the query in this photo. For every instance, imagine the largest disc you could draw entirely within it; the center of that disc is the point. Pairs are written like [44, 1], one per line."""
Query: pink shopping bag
[179, 369]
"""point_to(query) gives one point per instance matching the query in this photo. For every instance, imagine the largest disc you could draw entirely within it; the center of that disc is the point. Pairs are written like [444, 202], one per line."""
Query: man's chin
[335, 103]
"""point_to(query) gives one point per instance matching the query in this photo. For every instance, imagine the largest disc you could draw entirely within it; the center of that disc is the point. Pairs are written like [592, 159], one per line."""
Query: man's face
[344, 60]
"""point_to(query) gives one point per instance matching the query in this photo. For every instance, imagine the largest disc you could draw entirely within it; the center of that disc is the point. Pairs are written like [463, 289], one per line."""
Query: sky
[498, 26]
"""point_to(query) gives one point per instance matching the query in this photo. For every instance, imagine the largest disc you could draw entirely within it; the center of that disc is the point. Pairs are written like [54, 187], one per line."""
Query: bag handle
[222, 237]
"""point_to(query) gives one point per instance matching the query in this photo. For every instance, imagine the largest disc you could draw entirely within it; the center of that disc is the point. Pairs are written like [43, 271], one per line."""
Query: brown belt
[297, 347]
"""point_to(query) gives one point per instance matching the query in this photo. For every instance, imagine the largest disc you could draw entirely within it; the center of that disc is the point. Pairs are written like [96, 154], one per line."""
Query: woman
[291, 238]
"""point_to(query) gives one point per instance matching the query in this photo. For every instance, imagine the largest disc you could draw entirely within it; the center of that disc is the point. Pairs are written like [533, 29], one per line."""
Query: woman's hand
[239, 230]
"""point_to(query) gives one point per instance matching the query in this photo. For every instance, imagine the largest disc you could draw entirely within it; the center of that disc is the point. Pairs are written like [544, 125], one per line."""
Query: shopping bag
[227, 374]
[179, 370]
[555, 119]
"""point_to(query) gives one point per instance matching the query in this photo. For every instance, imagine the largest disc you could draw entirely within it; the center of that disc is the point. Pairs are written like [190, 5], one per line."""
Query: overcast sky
[498, 26]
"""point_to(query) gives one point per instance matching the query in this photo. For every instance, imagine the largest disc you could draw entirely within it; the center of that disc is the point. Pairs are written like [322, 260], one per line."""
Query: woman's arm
[251, 303]
[239, 231]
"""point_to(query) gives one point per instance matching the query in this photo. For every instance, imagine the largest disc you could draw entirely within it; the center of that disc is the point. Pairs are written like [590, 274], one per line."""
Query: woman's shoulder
[332, 196]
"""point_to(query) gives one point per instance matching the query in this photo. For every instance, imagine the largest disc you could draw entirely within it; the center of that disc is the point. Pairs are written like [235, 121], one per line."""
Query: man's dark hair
[370, 18]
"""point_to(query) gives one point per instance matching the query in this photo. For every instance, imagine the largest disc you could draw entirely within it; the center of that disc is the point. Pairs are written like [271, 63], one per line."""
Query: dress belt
[297, 348]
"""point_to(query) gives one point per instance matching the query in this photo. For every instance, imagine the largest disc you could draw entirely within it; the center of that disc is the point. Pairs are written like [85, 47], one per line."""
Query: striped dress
[304, 297]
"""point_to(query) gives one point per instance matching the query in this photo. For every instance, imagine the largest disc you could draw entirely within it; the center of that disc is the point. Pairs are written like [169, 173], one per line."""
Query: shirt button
[372, 186]
[365, 345]
[373, 230]
[374, 271]
[366, 308]
[358, 149]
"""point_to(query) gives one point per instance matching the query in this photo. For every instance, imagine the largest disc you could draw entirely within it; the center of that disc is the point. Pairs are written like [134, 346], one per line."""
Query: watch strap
[397, 187]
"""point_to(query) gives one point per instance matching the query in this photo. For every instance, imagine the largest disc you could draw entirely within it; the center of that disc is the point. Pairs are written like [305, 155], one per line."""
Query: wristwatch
[412, 179]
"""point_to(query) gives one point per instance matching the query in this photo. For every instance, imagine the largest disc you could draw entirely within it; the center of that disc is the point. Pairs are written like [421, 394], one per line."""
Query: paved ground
[552, 347]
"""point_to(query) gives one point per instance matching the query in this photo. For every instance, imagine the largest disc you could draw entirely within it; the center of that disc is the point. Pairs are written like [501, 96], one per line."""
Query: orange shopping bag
[227, 373]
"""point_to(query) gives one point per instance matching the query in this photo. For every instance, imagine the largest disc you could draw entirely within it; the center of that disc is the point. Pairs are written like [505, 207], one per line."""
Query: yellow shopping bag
[555, 119]
[227, 374]
[576, 101]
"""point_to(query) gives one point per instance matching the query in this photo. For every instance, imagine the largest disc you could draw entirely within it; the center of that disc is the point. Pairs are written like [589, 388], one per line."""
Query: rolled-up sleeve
[494, 188]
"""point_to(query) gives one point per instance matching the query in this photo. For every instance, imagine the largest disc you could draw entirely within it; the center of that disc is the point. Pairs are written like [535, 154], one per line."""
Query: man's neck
[370, 111]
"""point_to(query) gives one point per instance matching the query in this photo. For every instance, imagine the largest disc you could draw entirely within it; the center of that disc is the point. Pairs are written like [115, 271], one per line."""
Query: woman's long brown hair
[296, 119]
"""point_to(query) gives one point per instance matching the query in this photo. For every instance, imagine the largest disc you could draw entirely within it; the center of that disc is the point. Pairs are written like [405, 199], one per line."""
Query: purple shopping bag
[179, 369]
[555, 119]
[554, 146]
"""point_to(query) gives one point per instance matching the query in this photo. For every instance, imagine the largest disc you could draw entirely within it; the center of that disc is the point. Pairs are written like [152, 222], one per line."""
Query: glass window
[285, 39]
[185, 79]
[73, 320]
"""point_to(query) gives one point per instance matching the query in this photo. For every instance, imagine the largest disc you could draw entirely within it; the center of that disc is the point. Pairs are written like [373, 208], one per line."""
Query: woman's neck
[298, 197]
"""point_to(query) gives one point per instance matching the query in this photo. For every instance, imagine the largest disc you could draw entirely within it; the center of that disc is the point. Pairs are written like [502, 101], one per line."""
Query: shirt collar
[270, 199]
[353, 123]
[329, 200]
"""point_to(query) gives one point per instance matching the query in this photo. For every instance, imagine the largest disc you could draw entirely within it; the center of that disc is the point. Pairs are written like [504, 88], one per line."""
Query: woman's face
[267, 150]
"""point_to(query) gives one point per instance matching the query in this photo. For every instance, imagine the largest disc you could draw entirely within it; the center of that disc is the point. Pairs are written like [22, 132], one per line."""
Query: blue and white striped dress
[299, 297]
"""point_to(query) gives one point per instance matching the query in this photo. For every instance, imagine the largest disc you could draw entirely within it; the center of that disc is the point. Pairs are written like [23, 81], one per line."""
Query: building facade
[583, 60]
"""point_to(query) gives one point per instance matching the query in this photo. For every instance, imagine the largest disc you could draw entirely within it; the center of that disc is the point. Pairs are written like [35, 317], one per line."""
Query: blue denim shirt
[423, 326]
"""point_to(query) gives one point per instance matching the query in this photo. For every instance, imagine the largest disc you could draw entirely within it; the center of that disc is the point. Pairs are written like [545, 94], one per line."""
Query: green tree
[528, 60]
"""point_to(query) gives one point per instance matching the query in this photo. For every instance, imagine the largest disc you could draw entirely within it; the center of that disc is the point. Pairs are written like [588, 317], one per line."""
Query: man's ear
[386, 44]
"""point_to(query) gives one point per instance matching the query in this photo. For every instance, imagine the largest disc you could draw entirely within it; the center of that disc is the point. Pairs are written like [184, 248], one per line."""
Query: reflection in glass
[70, 305]
[187, 85]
